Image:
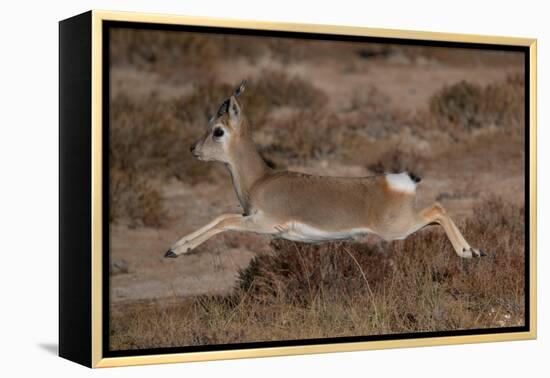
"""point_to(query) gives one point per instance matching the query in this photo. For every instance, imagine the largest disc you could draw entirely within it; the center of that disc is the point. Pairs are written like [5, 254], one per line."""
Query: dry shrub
[396, 161]
[239, 47]
[303, 135]
[459, 104]
[150, 136]
[300, 291]
[352, 137]
[369, 99]
[280, 89]
[135, 198]
[272, 89]
[204, 101]
[148, 142]
[175, 52]
[470, 106]
[161, 51]
[298, 273]
[379, 124]
[504, 102]
[264, 93]
[291, 50]
[500, 227]
[375, 50]
[457, 56]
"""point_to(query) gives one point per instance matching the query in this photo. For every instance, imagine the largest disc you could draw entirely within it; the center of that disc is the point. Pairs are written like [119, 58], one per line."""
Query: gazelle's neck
[247, 167]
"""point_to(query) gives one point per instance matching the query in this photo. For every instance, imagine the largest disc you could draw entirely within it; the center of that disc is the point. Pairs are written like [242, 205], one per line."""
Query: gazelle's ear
[223, 108]
[234, 111]
[240, 90]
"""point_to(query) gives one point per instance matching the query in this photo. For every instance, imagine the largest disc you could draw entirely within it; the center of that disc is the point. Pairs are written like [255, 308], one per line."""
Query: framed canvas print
[235, 189]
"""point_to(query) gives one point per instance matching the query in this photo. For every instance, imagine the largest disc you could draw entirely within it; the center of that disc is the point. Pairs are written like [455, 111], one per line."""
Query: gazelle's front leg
[225, 222]
[181, 245]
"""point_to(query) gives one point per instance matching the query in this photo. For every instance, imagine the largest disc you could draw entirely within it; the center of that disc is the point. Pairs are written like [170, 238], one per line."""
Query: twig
[366, 281]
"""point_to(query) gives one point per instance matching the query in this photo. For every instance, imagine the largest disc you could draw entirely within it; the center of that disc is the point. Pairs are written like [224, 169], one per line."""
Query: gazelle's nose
[193, 150]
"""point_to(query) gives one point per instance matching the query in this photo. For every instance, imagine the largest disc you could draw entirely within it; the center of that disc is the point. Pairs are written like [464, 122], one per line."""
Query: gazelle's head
[227, 129]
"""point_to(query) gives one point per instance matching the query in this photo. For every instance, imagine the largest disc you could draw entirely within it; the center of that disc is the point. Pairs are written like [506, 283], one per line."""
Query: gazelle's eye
[218, 132]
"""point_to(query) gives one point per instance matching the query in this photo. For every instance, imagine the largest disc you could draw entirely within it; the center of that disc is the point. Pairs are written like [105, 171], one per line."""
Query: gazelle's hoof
[473, 253]
[170, 254]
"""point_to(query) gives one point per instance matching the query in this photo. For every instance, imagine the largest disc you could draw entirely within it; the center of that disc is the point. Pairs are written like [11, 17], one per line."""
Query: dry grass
[470, 106]
[266, 92]
[162, 51]
[311, 131]
[395, 161]
[456, 56]
[300, 291]
[134, 198]
[148, 142]
[302, 135]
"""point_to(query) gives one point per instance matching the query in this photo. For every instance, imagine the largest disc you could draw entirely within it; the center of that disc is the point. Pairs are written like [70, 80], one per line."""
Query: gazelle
[308, 208]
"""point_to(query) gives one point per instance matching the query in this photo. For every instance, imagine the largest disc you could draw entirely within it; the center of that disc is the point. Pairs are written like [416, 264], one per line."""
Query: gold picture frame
[74, 325]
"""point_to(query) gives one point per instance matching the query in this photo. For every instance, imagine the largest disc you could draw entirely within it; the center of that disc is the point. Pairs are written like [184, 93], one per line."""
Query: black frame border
[107, 25]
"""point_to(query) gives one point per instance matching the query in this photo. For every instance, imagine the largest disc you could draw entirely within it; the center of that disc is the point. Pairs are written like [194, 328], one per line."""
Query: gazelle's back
[330, 203]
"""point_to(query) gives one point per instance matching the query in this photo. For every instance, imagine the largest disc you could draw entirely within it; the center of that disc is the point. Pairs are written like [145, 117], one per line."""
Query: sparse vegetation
[270, 90]
[134, 198]
[148, 142]
[471, 106]
[307, 116]
[303, 135]
[160, 51]
[395, 161]
[300, 291]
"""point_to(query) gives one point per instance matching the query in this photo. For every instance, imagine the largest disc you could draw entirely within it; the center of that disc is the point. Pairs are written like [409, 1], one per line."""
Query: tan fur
[304, 207]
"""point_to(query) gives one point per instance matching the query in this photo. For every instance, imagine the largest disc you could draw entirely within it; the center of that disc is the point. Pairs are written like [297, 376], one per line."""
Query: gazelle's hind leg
[436, 214]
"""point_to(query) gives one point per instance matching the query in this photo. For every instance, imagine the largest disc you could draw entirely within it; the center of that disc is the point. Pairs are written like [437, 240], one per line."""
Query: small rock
[119, 267]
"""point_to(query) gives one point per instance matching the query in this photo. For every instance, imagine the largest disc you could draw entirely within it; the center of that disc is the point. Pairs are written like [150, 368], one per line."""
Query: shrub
[396, 161]
[459, 104]
[264, 93]
[161, 51]
[298, 273]
[279, 89]
[180, 53]
[370, 99]
[204, 101]
[303, 135]
[304, 291]
[504, 102]
[470, 106]
[135, 198]
[148, 142]
[150, 136]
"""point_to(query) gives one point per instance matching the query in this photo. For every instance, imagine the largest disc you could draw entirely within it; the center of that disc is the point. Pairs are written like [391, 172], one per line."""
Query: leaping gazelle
[308, 208]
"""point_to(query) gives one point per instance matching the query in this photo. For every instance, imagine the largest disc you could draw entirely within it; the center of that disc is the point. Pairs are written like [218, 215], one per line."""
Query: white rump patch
[401, 182]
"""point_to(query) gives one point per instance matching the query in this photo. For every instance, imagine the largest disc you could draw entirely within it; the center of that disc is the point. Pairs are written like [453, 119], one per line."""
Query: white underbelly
[307, 234]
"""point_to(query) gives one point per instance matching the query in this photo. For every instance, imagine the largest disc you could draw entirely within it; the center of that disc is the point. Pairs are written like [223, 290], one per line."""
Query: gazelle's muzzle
[193, 150]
